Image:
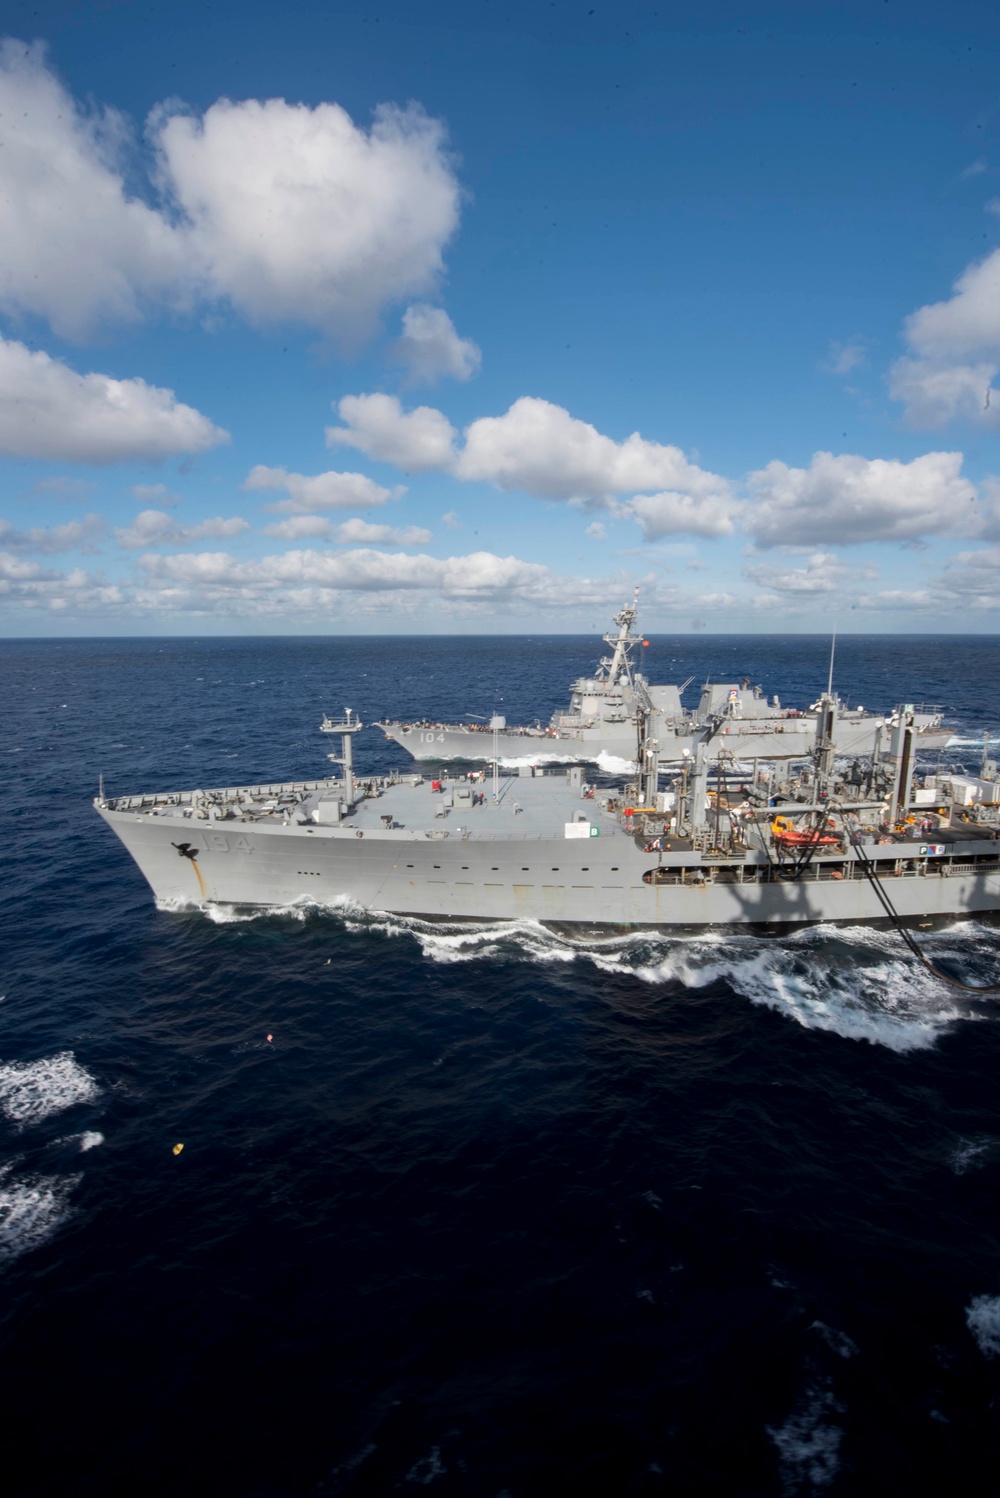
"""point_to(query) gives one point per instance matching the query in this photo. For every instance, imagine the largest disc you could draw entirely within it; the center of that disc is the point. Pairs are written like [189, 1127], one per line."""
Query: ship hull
[597, 884]
[794, 739]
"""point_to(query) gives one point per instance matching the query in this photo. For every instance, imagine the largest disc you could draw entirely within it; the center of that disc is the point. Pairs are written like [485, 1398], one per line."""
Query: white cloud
[320, 491]
[157, 528]
[75, 248]
[850, 499]
[72, 536]
[973, 578]
[970, 580]
[25, 584]
[935, 393]
[451, 520]
[47, 410]
[350, 532]
[713, 602]
[822, 573]
[431, 349]
[954, 353]
[975, 168]
[365, 582]
[540, 448]
[357, 532]
[480, 574]
[288, 212]
[298, 214]
[300, 528]
[680, 514]
[843, 357]
[378, 426]
[16, 569]
[597, 531]
[147, 491]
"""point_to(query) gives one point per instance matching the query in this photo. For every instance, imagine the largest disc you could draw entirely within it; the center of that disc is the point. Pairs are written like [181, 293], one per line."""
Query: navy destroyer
[606, 710]
[550, 846]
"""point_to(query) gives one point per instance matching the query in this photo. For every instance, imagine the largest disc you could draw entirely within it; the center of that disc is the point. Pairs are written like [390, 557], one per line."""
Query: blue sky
[466, 317]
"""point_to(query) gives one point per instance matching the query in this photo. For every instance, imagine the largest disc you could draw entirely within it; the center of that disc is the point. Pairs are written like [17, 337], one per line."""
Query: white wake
[857, 982]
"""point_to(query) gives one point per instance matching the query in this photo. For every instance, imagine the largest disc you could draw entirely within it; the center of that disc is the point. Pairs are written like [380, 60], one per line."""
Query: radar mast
[618, 666]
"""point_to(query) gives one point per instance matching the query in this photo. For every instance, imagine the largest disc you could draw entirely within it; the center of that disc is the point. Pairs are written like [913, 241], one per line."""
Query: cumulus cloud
[358, 531]
[300, 528]
[298, 214]
[25, 584]
[75, 247]
[680, 514]
[430, 348]
[822, 573]
[935, 392]
[377, 425]
[14, 569]
[954, 353]
[320, 491]
[540, 448]
[350, 532]
[47, 410]
[850, 499]
[480, 574]
[73, 536]
[973, 578]
[289, 213]
[968, 322]
[157, 528]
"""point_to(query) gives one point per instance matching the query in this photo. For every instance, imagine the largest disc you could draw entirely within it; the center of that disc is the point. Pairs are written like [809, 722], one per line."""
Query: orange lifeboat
[789, 836]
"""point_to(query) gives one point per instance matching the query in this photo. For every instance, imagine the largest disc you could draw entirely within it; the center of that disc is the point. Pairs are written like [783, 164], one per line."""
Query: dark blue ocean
[490, 1215]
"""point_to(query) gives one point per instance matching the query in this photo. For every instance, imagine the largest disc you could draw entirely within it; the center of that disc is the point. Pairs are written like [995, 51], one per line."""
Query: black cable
[868, 870]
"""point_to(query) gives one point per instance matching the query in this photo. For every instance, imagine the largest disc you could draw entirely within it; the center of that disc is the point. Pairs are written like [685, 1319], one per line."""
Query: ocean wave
[858, 982]
[32, 1208]
[33, 1090]
[235, 915]
[883, 995]
[982, 1317]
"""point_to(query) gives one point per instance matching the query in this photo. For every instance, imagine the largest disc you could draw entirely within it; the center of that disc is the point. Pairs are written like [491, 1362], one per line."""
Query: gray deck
[536, 807]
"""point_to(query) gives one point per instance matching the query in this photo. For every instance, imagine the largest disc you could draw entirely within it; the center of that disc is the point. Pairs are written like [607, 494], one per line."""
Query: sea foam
[808, 1443]
[33, 1090]
[858, 982]
[32, 1208]
[882, 995]
[983, 1320]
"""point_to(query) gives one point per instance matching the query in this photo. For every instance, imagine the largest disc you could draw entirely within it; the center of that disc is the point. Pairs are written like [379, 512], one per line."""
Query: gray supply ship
[547, 846]
[604, 713]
